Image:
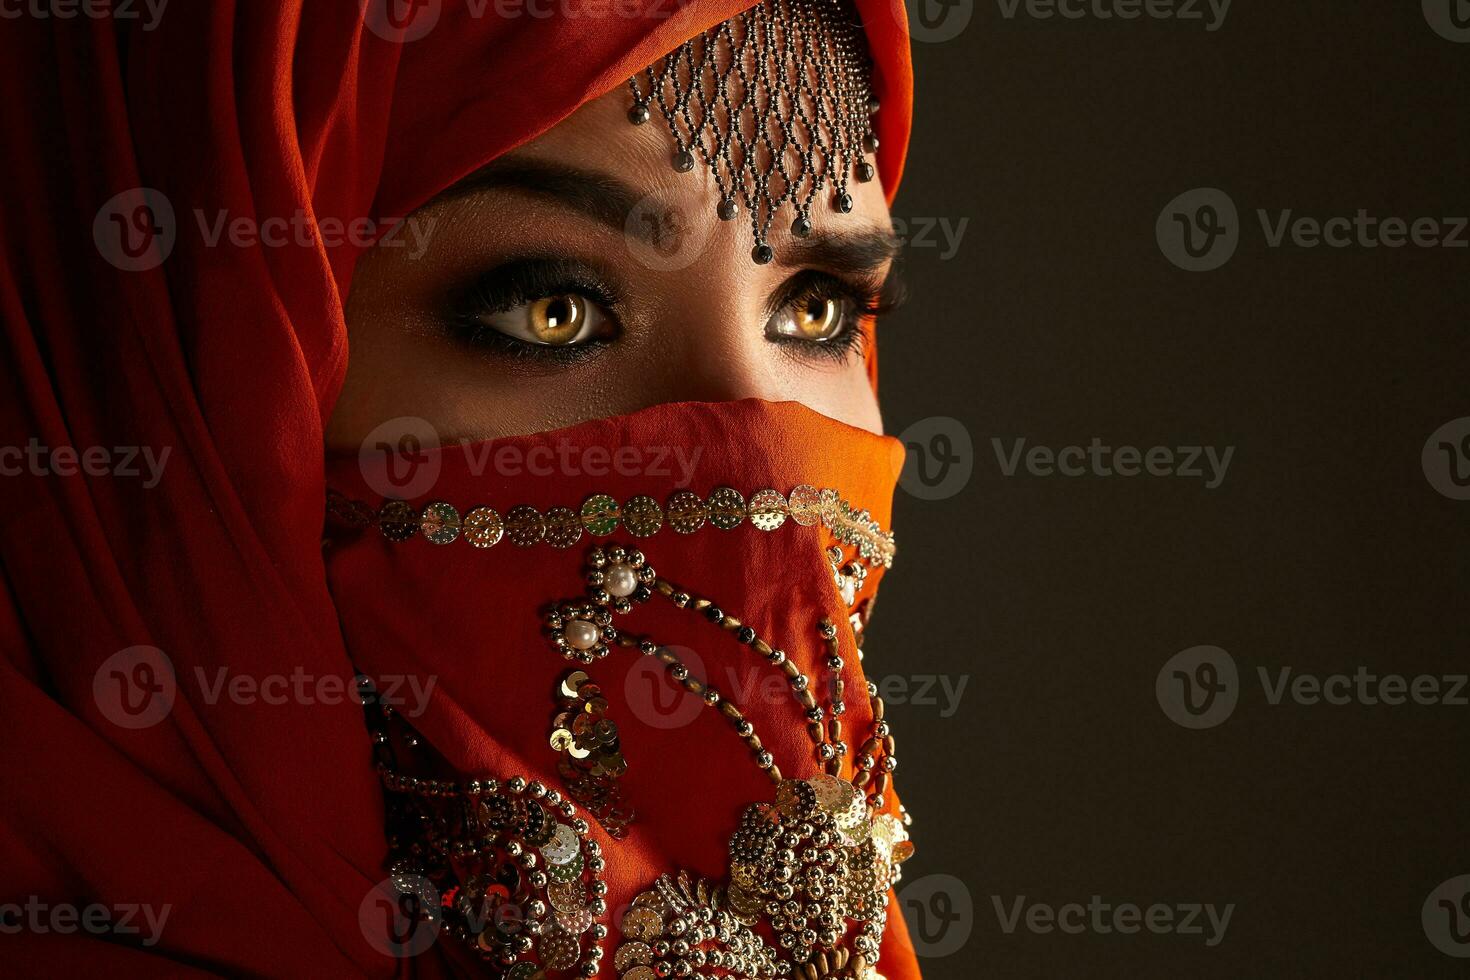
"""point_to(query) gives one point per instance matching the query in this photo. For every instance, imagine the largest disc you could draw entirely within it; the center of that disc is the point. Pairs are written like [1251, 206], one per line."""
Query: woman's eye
[559, 320]
[814, 318]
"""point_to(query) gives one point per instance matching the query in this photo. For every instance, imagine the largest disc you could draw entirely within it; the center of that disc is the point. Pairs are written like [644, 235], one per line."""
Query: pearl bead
[582, 635]
[621, 580]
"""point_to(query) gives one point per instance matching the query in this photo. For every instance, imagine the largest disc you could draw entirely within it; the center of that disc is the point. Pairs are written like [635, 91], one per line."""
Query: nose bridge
[711, 346]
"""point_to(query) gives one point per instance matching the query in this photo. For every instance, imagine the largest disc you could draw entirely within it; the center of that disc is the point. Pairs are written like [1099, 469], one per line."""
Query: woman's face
[582, 277]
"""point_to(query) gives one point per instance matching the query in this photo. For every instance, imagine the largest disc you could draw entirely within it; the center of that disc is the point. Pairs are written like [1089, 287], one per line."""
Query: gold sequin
[767, 509]
[558, 949]
[642, 923]
[566, 896]
[563, 527]
[806, 505]
[439, 522]
[726, 508]
[687, 512]
[483, 528]
[636, 953]
[397, 521]
[640, 973]
[600, 515]
[524, 526]
[642, 516]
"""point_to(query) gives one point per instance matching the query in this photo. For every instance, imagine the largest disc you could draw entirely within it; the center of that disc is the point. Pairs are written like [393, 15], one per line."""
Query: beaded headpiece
[776, 103]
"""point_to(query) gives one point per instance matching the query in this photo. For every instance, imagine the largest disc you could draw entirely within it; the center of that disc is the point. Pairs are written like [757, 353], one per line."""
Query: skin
[696, 332]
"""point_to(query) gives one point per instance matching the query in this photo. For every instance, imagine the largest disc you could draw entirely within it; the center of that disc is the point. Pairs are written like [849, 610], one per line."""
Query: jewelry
[600, 515]
[776, 102]
[591, 755]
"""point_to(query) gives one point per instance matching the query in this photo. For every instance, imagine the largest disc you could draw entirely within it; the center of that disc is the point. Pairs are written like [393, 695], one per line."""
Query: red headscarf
[128, 336]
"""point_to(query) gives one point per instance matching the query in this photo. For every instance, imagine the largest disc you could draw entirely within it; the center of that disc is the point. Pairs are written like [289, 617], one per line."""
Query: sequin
[525, 970]
[575, 922]
[636, 953]
[397, 521]
[767, 509]
[687, 512]
[640, 973]
[563, 527]
[524, 526]
[806, 505]
[726, 508]
[642, 516]
[483, 527]
[563, 846]
[558, 949]
[439, 522]
[642, 923]
[566, 896]
[600, 515]
[570, 871]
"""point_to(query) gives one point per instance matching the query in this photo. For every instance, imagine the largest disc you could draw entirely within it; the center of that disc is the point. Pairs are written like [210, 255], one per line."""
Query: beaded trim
[641, 516]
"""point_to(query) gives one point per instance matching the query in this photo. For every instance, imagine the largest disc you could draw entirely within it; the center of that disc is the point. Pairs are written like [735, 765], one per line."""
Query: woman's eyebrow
[601, 197]
[609, 201]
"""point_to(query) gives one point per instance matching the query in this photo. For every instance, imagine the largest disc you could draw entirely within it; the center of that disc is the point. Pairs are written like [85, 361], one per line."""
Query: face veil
[250, 819]
[719, 619]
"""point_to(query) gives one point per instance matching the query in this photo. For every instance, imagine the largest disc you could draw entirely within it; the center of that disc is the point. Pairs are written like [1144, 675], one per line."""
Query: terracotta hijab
[257, 822]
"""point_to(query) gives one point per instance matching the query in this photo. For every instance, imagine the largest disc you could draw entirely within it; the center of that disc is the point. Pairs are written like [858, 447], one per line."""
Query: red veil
[262, 830]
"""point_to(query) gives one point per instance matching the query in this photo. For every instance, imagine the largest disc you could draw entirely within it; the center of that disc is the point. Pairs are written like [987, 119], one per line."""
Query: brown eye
[560, 320]
[815, 318]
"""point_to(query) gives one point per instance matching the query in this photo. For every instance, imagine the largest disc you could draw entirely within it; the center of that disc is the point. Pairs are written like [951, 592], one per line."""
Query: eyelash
[527, 280]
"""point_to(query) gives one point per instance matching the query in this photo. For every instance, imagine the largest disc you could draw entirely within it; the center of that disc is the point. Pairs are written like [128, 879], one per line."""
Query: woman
[607, 508]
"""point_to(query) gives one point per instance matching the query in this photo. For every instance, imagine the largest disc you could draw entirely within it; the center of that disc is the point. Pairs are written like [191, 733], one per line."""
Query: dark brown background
[1325, 548]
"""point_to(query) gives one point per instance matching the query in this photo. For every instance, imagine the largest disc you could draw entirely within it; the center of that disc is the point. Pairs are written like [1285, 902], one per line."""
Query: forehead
[599, 137]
